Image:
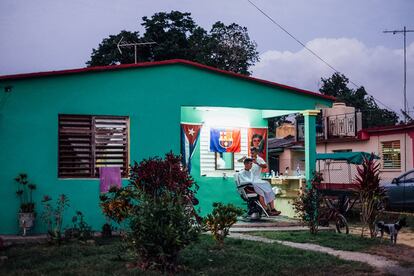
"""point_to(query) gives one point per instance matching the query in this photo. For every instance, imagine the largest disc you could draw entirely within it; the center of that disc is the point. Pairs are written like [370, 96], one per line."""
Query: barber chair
[254, 209]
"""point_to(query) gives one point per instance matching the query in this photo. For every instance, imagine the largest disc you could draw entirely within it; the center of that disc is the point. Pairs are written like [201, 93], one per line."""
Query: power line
[315, 54]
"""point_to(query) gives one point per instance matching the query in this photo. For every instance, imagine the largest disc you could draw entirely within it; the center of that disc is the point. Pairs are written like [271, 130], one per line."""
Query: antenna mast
[130, 44]
[404, 31]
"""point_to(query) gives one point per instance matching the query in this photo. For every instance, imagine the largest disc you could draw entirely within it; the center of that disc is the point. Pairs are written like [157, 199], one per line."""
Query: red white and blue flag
[225, 140]
[189, 137]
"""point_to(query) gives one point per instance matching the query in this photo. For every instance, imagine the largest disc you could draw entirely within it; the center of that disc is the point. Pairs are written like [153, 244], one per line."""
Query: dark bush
[307, 205]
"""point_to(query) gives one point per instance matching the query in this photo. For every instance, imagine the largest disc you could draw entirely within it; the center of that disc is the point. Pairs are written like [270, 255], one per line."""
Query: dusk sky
[45, 35]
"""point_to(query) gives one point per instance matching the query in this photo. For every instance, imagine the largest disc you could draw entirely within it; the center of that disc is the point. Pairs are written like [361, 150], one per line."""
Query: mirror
[394, 181]
[224, 161]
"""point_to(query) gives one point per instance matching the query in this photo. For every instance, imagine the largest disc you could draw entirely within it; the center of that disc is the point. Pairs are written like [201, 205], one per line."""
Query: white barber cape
[260, 186]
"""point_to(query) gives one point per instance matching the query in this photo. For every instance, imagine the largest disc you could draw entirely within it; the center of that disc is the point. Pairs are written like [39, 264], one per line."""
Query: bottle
[286, 171]
[273, 173]
[277, 173]
[298, 170]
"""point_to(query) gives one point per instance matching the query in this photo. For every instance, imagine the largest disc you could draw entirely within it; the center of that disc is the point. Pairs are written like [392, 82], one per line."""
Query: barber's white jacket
[256, 169]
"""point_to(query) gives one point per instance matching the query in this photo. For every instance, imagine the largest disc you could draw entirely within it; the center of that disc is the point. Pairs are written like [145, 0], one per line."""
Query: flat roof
[161, 63]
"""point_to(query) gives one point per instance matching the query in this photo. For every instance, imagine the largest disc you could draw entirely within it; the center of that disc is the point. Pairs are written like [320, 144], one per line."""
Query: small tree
[308, 203]
[220, 221]
[155, 206]
[370, 193]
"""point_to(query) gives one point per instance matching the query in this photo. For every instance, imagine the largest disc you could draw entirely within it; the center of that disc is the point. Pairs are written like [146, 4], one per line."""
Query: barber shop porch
[213, 166]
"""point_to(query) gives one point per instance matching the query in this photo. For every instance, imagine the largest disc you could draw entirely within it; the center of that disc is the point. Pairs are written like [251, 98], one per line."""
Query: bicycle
[332, 212]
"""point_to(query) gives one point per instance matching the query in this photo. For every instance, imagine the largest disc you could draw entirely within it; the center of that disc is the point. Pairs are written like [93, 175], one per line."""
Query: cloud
[380, 70]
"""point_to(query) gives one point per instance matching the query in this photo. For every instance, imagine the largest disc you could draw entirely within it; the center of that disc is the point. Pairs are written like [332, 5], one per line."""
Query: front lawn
[401, 253]
[202, 258]
[325, 238]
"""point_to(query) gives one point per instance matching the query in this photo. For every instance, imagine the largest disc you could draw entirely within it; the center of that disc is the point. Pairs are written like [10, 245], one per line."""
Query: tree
[231, 48]
[178, 36]
[372, 114]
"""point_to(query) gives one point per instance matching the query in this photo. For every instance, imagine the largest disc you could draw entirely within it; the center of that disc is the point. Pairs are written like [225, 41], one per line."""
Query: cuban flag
[189, 137]
[225, 140]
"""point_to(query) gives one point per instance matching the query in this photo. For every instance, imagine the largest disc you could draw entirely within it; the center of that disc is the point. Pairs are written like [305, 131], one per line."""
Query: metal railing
[335, 126]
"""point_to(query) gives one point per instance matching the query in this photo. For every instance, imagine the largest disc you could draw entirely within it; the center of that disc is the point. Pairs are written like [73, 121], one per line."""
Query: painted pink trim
[159, 63]
[390, 129]
[363, 135]
[411, 134]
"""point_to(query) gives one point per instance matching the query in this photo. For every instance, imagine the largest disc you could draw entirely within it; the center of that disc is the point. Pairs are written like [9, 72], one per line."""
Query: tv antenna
[122, 43]
[404, 31]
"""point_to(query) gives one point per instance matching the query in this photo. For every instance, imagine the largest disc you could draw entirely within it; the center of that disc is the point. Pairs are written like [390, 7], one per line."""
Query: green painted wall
[152, 97]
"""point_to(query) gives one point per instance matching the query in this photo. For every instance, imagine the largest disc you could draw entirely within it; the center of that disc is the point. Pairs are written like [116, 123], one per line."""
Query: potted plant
[26, 213]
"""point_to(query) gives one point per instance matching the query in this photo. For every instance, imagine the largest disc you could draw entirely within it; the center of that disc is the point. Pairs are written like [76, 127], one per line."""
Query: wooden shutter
[111, 142]
[89, 142]
[75, 146]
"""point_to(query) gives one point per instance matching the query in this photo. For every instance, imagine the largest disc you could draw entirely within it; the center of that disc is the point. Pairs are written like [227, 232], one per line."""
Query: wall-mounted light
[8, 88]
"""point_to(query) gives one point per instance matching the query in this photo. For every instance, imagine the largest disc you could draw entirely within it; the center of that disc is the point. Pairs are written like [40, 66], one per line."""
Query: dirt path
[379, 262]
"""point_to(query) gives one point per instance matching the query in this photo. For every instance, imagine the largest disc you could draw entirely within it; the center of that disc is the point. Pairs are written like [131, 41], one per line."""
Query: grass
[325, 238]
[201, 258]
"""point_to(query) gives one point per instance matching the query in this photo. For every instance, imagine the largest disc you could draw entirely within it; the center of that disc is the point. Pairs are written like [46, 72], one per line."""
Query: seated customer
[261, 187]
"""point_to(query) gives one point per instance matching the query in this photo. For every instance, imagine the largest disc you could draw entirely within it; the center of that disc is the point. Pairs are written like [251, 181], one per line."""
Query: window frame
[391, 150]
[94, 120]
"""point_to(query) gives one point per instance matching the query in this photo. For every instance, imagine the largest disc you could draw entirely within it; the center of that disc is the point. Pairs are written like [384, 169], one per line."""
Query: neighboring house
[286, 153]
[340, 130]
[393, 144]
[59, 127]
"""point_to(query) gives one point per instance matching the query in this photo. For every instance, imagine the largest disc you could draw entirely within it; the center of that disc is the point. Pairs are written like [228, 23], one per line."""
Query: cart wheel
[341, 224]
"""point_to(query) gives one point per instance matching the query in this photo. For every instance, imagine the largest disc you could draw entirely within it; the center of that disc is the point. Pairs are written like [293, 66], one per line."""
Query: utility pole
[404, 31]
[129, 44]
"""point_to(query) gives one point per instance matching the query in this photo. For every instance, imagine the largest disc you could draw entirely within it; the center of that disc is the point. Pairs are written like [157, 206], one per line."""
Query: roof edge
[159, 63]
[395, 128]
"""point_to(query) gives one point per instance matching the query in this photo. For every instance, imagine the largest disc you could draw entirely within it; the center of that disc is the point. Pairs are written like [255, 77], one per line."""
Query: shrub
[117, 203]
[106, 230]
[160, 228]
[53, 216]
[307, 205]
[157, 206]
[371, 194]
[220, 220]
[80, 230]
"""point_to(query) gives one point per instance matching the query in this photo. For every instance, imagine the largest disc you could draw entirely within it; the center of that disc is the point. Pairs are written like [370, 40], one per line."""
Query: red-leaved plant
[154, 176]
[370, 193]
[157, 207]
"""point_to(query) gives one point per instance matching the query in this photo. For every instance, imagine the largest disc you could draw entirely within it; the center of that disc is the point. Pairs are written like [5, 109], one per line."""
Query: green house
[148, 102]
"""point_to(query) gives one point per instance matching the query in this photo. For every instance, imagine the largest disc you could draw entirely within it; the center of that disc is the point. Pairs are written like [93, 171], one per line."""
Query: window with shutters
[391, 155]
[89, 142]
